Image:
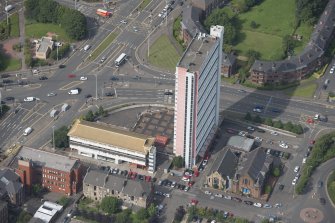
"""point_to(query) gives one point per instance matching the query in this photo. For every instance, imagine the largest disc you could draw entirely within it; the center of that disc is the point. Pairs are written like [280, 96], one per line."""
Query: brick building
[54, 172]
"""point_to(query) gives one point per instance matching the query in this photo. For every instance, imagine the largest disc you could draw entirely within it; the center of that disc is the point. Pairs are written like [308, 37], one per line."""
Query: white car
[251, 128]
[160, 15]
[166, 195]
[296, 169]
[29, 99]
[267, 206]
[259, 205]
[258, 110]
[51, 94]
[297, 176]
[208, 192]
[204, 163]
[304, 160]
[331, 70]
[35, 71]
[173, 184]
[83, 78]
[283, 145]
[294, 181]
[218, 195]
[123, 22]
[227, 197]
[259, 139]
[274, 133]
[242, 133]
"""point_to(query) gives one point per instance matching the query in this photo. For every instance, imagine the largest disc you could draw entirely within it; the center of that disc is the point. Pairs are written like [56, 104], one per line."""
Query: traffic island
[311, 215]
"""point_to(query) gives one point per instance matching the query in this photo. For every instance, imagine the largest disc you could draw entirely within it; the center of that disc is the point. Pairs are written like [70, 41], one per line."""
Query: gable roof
[111, 136]
[256, 164]
[225, 164]
[9, 182]
[228, 59]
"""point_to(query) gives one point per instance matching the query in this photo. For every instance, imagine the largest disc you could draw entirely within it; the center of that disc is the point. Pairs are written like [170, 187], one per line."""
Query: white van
[87, 47]
[73, 91]
[29, 99]
[27, 131]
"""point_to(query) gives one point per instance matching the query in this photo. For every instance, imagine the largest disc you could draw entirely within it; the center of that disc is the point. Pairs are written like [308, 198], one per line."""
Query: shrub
[276, 172]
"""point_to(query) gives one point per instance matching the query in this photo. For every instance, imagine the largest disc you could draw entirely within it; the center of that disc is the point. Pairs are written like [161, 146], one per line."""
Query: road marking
[70, 85]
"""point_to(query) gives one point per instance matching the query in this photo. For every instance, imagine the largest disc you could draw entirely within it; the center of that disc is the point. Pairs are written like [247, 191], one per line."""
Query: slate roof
[225, 164]
[240, 142]
[228, 59]
[256, 164]
[9, 182]
[103, 178]
[315, 48]
[47, 159]
[191, 20]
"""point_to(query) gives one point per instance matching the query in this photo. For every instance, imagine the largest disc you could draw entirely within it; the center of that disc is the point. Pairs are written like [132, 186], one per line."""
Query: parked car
[259, 205]
[249, 202]
[267, 206]
[296, 169]
[294, 181]
[218, 195]
[82, 78]
[320, 184]
[251, 128]
[274, 133]
[208, 192]
[322, 201]
[9, 98]
[281, 186]
[109, 94]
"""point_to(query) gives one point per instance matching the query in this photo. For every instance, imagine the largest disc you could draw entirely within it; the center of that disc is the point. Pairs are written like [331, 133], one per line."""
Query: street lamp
[53, 137]
[96, 86]
[7, 13]
[57, 45]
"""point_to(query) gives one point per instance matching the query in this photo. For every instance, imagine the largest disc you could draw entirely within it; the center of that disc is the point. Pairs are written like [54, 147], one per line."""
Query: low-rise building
[98, 184]
[54, 172]
[223, 170]
[47, 212]
[241, 143]
[44, 47]
[3, 212]
[252, 173]
[228, 65]
[11, 189]
[107, 143]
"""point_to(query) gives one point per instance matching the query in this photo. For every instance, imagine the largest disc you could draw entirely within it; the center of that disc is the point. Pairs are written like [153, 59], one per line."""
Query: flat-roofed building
[197, 97]
[55, 172]
[47, 212]
[104, 142]
[44, 47]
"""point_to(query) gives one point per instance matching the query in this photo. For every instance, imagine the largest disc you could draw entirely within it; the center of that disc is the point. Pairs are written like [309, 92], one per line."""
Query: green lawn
[163, 54]
[10, 64]
[274, 21]
[14, 25]
[269, 46]
[331, 186]
[107, 41]
[306, 89]
[37, 30]
[144, 4]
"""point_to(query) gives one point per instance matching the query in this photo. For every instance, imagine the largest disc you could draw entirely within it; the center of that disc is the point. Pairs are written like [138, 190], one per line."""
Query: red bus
[103, 13]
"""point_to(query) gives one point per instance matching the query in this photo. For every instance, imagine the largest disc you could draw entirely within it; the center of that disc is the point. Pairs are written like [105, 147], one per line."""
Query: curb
[326, 185]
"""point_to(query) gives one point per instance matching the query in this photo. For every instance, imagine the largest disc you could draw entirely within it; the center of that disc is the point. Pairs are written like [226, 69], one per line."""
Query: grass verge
[306, 89]
[144, 4]
[107, 41]
[37, 30]
[331, 186]
[163, 54]
[14, 25]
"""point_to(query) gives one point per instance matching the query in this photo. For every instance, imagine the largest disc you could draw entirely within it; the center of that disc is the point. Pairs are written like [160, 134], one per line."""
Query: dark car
[260, 130]
[125, 173]
[109, 94]
[61, 66]
[140, 177]
[9, 98]
[114, 78]
[275, 110]
[88, 96]
[249, 202]
[320, 184]
[43, 78]
[5, 75]
[2, 102]
[168, 93]
[236, 199]
[307, 154]
[322, 201]
[281, 186]
[7, 81]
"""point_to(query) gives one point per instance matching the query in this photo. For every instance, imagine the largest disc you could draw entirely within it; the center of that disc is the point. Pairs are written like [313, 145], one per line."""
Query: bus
[120, 59]
[103, 13]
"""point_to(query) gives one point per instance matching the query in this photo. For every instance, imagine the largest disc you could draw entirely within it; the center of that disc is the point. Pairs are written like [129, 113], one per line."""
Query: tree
[24, 217]
[123, 217]
[180, 212]
[268, 121]
[62, 52]
[64, 201]
[288, 126]
[61, 138]
[278, 124]
[142, 214]
[90, 117]
[110, 205]
[297, 129]
[253, 24]
[178, 161]
[152, 210]
[248, 116]
[74, 23]
[257, 119]
[252, 56]
[276, 172]
[220, 17]
[37, 189]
